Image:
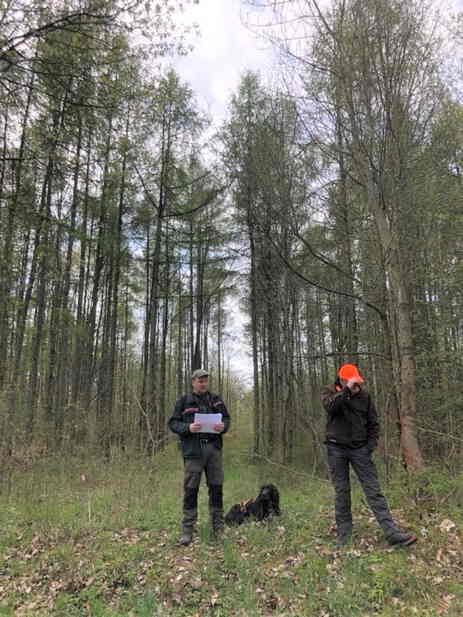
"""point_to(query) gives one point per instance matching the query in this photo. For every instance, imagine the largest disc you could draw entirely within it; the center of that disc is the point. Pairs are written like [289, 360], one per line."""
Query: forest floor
[100, 540]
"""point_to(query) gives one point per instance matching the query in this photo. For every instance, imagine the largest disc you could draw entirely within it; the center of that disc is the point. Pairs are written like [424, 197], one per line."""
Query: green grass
[91, 539]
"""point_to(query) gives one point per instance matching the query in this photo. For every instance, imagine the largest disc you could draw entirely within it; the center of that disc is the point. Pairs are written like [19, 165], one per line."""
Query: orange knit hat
[350, 371]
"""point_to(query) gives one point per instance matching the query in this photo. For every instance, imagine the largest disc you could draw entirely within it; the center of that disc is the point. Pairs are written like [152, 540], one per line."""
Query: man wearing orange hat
[352, 432]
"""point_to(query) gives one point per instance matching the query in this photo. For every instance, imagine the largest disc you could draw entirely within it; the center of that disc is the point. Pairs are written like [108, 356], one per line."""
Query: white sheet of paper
[207, 421]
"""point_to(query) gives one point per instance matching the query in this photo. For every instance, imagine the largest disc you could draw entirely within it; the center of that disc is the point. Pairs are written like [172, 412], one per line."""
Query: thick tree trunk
[400, 308]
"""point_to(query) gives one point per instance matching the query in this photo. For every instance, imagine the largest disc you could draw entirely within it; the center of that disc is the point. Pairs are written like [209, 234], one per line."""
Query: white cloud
[224, 49]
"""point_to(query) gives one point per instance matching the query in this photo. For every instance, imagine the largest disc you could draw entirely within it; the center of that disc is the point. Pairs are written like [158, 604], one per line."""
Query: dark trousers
[340, 458]
[210, 462]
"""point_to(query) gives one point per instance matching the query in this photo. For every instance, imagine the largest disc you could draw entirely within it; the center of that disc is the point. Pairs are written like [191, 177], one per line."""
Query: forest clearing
[85, 539]
[269, 226]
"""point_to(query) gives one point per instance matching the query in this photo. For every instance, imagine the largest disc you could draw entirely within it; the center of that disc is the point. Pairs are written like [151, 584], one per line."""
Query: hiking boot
[343, 541]
[186, 537]
[402, 539]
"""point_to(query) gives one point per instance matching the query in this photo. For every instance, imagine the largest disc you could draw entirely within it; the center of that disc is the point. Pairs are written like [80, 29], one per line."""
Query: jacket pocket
[190, 448]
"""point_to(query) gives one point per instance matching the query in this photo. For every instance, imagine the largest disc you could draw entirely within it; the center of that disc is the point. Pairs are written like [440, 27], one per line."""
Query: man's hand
[218, 428]
[195, 427]
[353, 384]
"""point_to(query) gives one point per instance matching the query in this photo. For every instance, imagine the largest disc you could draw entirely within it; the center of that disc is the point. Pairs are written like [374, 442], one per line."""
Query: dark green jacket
[183, 416]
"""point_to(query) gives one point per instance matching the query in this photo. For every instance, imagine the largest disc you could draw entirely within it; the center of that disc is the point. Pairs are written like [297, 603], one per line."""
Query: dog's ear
[266, 491]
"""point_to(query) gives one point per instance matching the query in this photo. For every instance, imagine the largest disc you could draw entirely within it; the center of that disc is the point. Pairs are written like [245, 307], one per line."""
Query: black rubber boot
[216, 510]
[190, 515]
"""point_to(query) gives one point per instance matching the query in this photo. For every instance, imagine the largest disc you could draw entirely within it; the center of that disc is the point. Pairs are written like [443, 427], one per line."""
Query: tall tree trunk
[80, 342]
[8, 254]
[400, 309]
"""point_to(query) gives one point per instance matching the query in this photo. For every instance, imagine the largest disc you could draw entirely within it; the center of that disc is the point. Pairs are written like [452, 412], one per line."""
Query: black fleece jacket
[352, 419]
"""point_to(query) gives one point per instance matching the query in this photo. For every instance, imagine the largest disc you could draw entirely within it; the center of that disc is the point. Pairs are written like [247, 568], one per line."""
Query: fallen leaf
[444, 604]
[196, 583]
[447, 525]
[214, 599]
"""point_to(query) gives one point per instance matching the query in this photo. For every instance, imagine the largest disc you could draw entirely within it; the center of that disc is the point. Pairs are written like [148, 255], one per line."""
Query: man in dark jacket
[352, 431]
[202, 451]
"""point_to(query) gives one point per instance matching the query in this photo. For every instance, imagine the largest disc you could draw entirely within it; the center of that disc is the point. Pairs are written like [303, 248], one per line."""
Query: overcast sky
[224, 49]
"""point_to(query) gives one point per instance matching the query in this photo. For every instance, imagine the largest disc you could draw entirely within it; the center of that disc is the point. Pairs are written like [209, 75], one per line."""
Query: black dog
[264, 507]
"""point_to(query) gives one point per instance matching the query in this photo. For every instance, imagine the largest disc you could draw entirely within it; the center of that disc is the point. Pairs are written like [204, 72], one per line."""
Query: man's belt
[208, 436]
